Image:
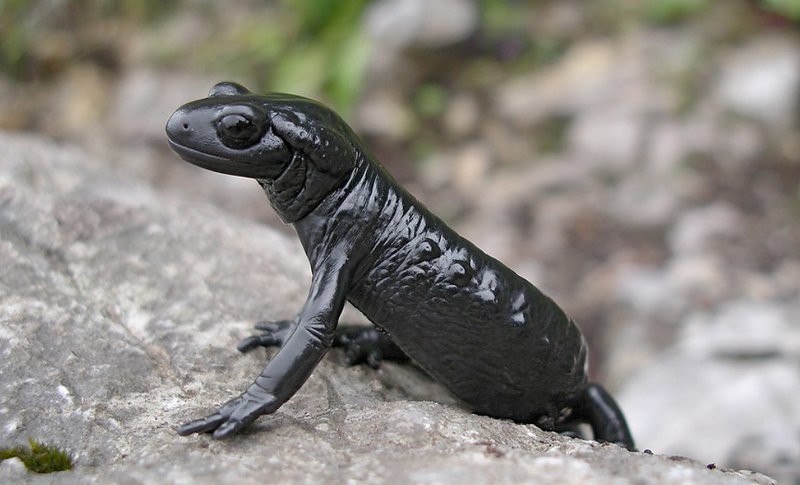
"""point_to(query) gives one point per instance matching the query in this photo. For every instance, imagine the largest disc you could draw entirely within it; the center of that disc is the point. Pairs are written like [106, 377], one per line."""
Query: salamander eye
[459, 273]
[236, 131]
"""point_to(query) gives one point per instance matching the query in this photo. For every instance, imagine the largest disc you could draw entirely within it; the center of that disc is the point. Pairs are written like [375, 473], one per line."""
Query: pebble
[399, 24]
[12, 469]
[761, 80]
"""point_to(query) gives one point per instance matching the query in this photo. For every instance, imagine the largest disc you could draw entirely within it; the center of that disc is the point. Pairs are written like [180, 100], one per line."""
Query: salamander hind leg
[366, 345]
[274, 334]
[596, 407]
[362, 344]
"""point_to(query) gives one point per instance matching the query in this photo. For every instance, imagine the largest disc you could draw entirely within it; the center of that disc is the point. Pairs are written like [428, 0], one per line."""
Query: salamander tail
[596, 406]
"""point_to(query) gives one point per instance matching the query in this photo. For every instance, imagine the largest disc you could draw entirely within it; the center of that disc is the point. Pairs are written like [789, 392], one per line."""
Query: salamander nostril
[186, 126]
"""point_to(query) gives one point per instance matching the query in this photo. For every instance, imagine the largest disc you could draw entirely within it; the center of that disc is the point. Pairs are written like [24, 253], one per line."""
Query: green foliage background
[311, 47]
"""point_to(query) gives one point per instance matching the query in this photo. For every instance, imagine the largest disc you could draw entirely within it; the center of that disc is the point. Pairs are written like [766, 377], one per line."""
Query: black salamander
[493, 339]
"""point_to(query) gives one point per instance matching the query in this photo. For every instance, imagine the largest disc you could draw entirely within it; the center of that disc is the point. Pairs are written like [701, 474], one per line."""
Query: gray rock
[643, 199]
[728, 384]
[762, 80]
[608, 137]
[385, 114]
[696, 230]
[119, 311]
[78, 99]
[402, 23]
[593, 75]
[462, 116]
[12, 469]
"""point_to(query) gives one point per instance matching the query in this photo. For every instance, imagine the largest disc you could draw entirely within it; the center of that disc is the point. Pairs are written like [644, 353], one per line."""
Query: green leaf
[673, 11]
[787, 8]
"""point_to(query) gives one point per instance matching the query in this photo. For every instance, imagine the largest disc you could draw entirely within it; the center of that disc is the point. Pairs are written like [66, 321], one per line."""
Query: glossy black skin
[489, 336]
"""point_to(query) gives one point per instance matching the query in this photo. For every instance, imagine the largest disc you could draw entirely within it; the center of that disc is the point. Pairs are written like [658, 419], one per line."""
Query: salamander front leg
[302, 350]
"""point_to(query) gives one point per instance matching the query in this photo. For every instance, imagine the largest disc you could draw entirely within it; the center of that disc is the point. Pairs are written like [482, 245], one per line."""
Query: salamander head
[298, 149]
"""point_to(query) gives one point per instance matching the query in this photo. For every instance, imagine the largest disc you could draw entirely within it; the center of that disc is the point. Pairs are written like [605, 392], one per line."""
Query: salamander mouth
[201, 159]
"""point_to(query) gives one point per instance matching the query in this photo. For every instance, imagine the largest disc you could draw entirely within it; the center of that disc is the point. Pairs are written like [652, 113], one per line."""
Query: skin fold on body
[493, 339]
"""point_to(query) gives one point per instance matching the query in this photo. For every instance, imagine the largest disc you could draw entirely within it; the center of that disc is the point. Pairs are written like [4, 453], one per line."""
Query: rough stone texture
[119, 314]
[735, 365]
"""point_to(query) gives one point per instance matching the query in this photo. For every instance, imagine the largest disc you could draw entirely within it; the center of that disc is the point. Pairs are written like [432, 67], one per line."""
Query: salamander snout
[178, 126]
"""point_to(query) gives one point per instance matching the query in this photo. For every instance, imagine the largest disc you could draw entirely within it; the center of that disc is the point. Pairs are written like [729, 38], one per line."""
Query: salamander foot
[234, 415]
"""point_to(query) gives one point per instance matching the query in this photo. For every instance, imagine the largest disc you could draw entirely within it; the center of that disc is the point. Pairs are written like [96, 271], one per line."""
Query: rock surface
[119, 312]
[737, 364]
